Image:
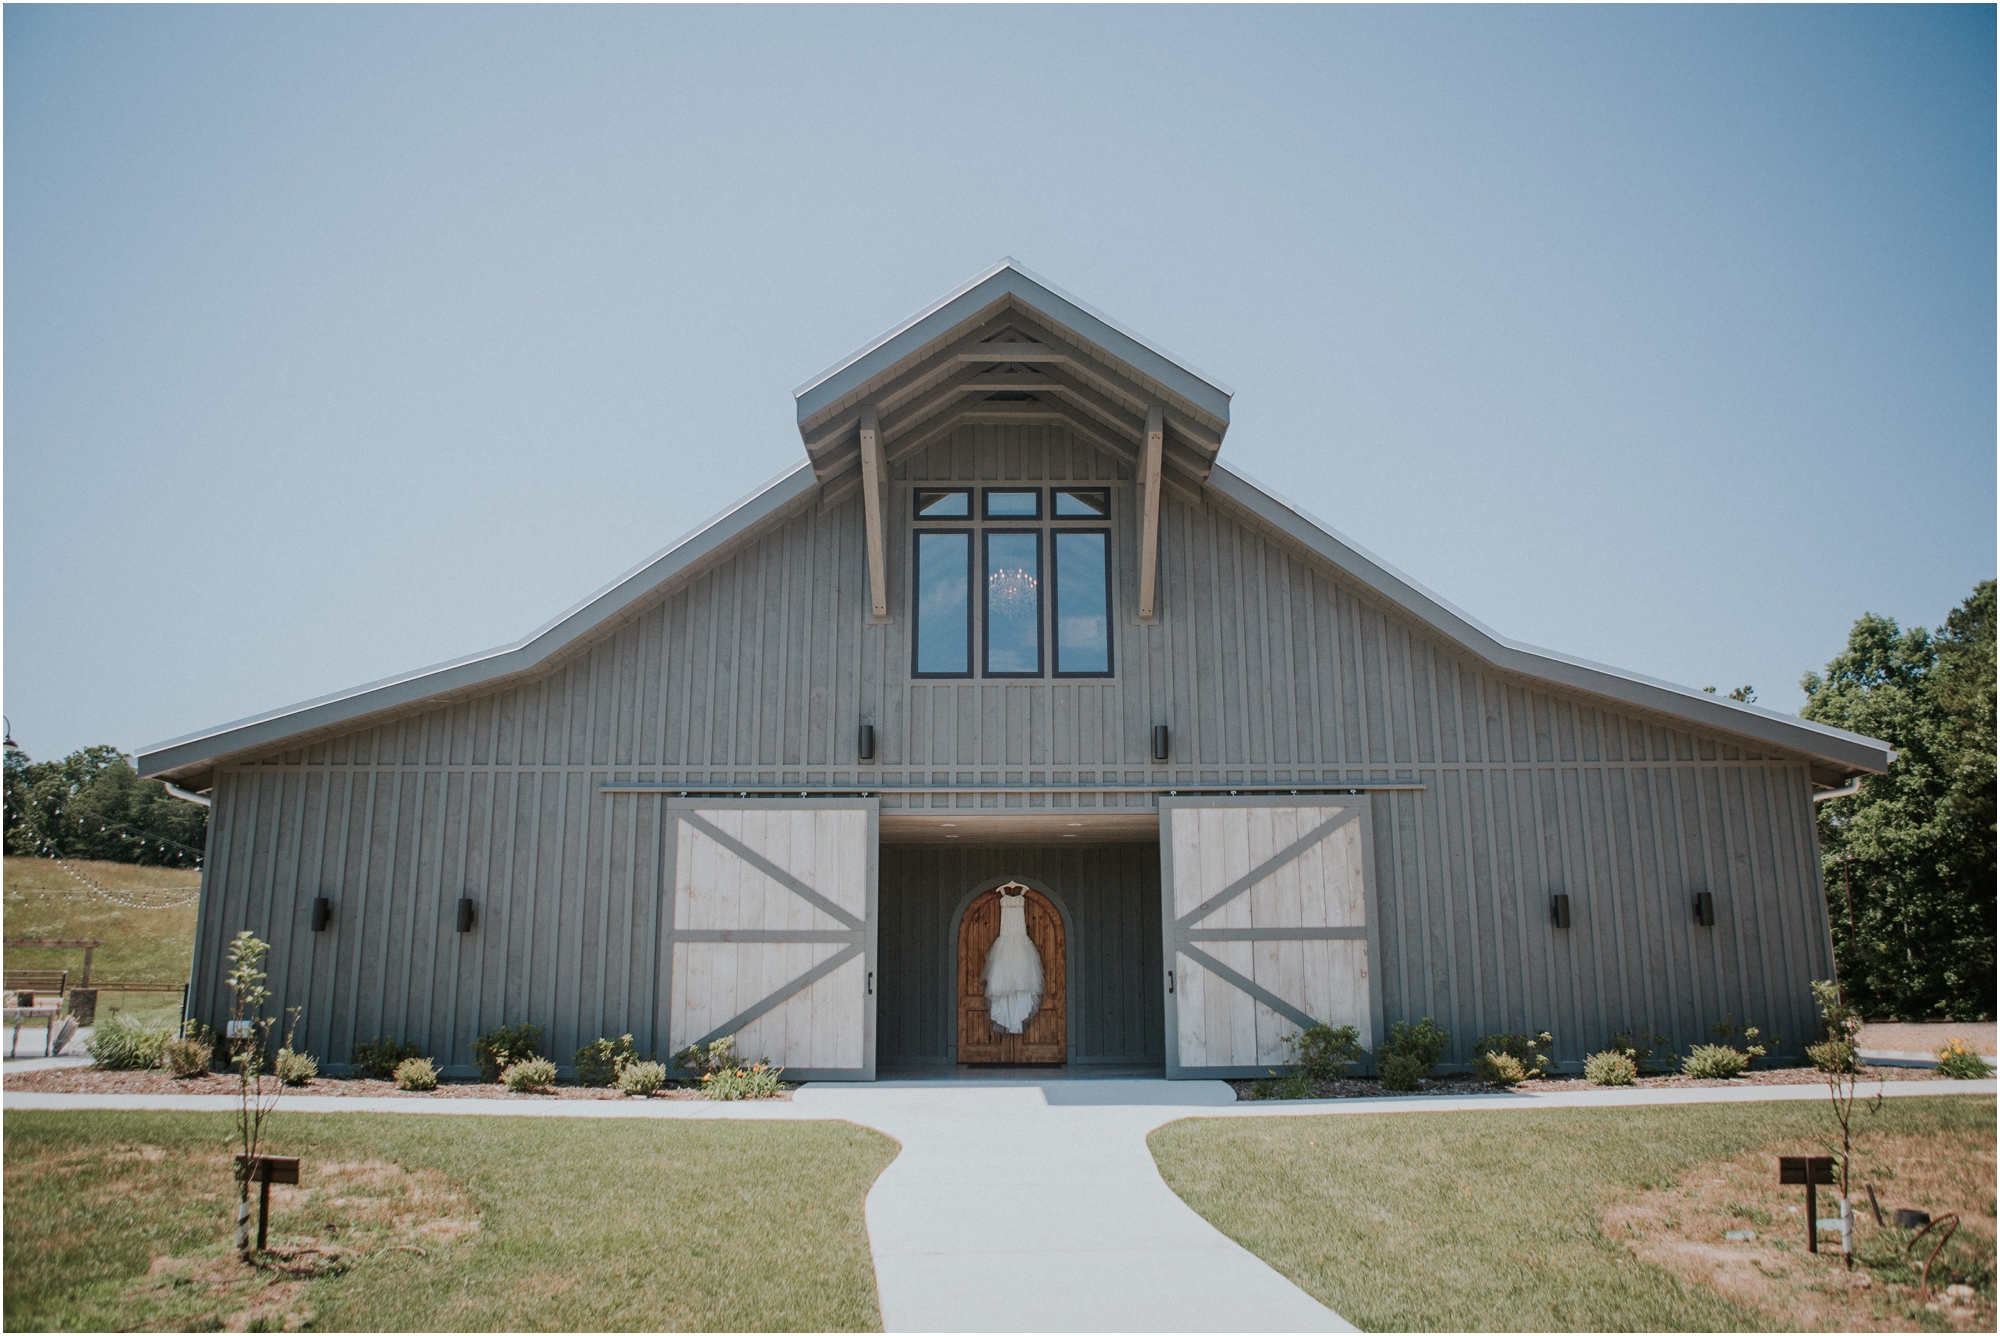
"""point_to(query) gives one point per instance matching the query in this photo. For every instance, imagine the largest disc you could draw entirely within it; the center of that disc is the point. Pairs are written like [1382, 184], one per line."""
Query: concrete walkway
[1035, 1205]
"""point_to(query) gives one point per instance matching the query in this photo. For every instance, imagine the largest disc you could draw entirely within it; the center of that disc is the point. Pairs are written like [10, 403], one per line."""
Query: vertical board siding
[1268, 667]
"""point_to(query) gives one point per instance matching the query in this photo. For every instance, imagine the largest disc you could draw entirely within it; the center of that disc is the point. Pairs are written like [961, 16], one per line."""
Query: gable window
[1013, 579]
[1008, 503]
[1082, 604]
[1013, 603]
[944, 503]
[1083, 503]
[943, 579]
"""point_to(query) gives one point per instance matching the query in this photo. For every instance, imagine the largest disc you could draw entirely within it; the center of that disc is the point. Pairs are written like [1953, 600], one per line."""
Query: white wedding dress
[1013, 973]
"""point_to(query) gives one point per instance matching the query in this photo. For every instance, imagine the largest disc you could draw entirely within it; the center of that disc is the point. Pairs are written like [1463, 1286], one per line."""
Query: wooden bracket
[1149, 524]
[873, 504]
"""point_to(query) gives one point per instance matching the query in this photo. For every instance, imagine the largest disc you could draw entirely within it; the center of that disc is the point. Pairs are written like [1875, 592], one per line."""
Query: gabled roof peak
[1004, 337]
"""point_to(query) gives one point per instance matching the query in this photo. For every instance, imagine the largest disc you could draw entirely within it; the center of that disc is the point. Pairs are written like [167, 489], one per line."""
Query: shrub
[641, 1078]
[1323, 1052]
[1961, 1062]
[1714, 1062]
[379, 1057]
[503, 1046]
[599, 1062]
[188, 1055]
[124, 1045]
[1401, 1071]
[1530, 1052]
[1610, 1068]
[1414, 1049]
[530, 1074]
[719, 1056]
[295, 1069]
[756, 1082]
[1726, 1029]
[416, 1074]
[1501, 1069]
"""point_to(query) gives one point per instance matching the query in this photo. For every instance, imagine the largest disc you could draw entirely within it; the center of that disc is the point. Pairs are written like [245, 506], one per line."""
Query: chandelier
[1010, 591]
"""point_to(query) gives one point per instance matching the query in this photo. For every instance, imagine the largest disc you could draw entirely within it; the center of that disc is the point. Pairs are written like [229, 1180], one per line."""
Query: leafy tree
[1746, 694]
[92, 804]
[1909, 860]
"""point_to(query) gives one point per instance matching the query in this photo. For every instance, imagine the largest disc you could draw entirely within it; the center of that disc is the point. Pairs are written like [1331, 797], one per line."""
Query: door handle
[1170, 981]
[871, 983]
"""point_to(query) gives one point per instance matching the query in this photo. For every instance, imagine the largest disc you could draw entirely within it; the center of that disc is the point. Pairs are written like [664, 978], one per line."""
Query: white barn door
[1268, 918]
[772, 931]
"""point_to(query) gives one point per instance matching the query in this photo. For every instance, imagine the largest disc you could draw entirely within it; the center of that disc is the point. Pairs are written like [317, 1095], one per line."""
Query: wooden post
[1811, 1170]
[1149, 523]
[872, 471]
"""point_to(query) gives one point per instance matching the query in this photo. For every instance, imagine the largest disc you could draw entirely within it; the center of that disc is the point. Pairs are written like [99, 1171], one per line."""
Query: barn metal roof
[195, 754]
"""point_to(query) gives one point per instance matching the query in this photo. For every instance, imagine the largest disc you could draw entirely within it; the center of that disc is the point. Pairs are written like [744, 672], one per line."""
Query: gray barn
[1011, 621]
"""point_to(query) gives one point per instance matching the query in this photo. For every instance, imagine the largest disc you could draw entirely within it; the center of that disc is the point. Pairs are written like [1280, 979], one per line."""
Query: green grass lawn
[1485, 1221]
[117, 1220]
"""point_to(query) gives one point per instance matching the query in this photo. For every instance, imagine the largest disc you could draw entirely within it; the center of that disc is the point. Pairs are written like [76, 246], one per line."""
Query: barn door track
[1037, 1207]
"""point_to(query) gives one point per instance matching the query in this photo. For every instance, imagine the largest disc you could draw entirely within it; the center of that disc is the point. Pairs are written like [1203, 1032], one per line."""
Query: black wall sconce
[1559, 909]
[1161, 749]
[1704, 909]
[467, 912]
[867, 744]
[322, 913]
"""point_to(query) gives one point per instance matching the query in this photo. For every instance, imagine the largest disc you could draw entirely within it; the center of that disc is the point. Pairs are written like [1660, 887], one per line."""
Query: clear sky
[341, 341]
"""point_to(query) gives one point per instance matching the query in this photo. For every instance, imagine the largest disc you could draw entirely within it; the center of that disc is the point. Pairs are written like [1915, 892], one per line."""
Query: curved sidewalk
[1036, 1205]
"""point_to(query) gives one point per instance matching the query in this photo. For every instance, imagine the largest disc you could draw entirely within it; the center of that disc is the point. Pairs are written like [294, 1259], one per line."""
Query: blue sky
[340, 341]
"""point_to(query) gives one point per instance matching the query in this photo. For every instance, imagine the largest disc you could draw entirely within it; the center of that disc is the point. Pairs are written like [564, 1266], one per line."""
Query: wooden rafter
[1149, 527]
[873, 474]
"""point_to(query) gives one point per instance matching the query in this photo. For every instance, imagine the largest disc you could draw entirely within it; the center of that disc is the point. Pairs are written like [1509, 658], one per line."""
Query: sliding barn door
[772, 931]
[1267, 913]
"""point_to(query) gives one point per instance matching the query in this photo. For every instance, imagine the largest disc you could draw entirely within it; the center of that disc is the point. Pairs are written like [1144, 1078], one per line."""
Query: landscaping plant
[124, 1045]
[190, 1053]
[1324, 1053]
[1959, 1060]
[503, 1046]
[716, 1057]
[759, 1081]
[599, 1062]
[1410, 1052]
[249, 1037]
[378, 1058]
[416, 1074]
[1838, 1062]
[1720, 1061]
[1610, 1068]
[1713, 1062]
[641, 1078]
[295, 1069]
[1529, 1052]
[1501, 1069]
[530, 1076]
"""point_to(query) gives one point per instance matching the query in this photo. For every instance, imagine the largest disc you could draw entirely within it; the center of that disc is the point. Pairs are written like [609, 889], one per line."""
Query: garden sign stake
[1811, 1170]
[264, 1170]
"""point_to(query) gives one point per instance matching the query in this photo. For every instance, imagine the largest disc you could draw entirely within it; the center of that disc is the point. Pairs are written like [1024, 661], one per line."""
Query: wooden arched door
[1045, 1038]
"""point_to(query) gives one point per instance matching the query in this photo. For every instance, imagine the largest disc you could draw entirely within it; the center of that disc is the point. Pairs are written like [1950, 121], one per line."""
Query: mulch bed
[91, 1081]
[1358, 1088]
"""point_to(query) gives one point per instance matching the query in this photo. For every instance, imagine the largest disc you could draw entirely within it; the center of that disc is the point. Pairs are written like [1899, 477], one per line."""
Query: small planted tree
[1838, 1059]
[249, 1040]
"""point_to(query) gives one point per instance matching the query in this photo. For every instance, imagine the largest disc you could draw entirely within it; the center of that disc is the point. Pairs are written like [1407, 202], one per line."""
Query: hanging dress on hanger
[1013, 973]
